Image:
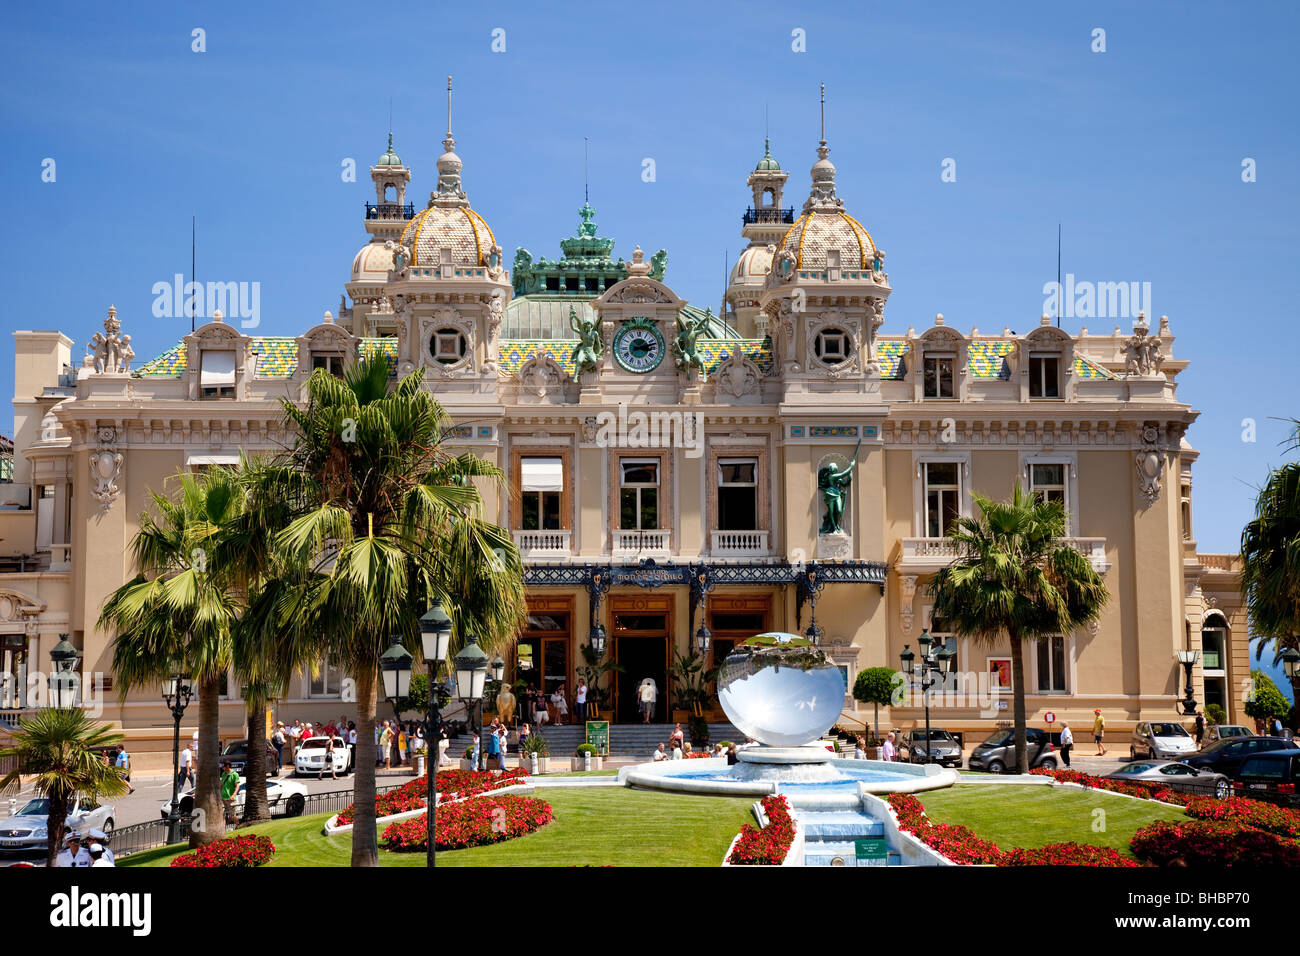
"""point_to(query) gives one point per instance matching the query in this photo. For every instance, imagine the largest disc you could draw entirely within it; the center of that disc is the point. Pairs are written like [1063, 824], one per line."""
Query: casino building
[666, 479]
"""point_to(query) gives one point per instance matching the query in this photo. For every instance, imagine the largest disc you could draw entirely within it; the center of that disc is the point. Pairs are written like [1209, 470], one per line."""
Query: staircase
[831, 835]
[625, 740]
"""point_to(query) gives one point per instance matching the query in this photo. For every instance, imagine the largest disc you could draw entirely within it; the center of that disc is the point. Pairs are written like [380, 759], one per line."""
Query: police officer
[100, 837]
[74, 854]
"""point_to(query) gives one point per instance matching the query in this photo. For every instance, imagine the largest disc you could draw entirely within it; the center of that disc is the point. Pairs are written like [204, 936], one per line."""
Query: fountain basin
[828, 780]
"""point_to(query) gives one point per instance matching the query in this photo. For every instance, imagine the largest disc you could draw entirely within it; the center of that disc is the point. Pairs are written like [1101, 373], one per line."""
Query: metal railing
[390, 210]
[769, 215]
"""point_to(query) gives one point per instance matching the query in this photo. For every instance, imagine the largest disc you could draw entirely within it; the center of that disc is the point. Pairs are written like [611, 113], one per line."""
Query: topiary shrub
[876, 685]
[586, 749]
[1215, 714]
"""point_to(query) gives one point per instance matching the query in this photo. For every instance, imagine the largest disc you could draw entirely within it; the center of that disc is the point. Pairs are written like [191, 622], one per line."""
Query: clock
[639, 346]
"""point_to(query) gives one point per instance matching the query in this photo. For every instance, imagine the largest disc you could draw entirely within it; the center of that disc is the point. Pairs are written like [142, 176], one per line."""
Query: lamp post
[435, 641]
[929, 668]
[1188, 659]
[177, 693]
[597, 639]
[471, 675]
[1291, 664]
[63, 677]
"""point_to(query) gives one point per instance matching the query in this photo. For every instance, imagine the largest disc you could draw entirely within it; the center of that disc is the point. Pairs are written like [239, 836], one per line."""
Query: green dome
[389, 158]
[767, 162]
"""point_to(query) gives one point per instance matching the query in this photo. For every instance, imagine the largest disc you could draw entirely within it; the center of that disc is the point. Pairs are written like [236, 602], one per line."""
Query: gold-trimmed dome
[752, 265]
[458, 228]
[815, 233]
[372, 263]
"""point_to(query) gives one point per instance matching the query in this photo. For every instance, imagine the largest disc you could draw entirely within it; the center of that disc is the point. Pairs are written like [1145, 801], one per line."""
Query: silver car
[26, 829]
[1216, 732]
[1174, 776]
[1161, 740]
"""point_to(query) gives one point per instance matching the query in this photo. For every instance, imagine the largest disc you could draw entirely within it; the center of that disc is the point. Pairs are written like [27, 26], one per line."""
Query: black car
[1227, 756]
[1270, 776]
[237, 753]
[999, 752]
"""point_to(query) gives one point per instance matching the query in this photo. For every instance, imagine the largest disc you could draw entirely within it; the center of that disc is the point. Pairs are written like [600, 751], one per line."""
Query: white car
[282, 796]
[311, 757]
[1161, 740]
[26, 829]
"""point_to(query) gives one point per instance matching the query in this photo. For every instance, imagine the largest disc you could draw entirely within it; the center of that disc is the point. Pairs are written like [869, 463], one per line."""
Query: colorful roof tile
[277, 357]
[989, 359]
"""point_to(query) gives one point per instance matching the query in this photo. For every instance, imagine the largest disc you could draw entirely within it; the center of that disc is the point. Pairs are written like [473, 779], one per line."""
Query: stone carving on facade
[589, 428]
[447, 318]
[106, 468]
[1150, 464]
[586, 354]
[110, 351]
[541, 375]
[905, 607]
[738, 375]
[401, 255]
[493, 260]
[641, 292]
[686, 355]
[495, 316]
[1142, 355]
[835, 320]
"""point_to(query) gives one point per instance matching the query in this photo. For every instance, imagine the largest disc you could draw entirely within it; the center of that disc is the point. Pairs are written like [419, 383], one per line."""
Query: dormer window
[216, 375]
[1044, 375]
[938, 374]
[333, 364]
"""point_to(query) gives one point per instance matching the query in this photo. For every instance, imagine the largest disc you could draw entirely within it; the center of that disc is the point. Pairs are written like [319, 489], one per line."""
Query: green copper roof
[586, 267]
[389, 158]
[767, 162]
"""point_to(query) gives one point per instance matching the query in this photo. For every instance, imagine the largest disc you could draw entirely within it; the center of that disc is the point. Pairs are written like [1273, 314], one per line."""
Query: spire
[390, 157]
[448, 190]
[822, 197]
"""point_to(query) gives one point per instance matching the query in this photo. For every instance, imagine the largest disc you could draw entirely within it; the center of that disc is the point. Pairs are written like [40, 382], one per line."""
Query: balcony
[640, 544]
[543, 545]
[390, 210]
[930, 554]
[774, 216]
[738, 544]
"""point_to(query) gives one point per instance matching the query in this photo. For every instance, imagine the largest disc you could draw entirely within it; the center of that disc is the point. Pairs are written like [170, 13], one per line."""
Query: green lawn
[597, 827]
[1029, 816]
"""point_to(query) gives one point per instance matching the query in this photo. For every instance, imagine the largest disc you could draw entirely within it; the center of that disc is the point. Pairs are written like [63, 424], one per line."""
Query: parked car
[1227, 756]
[311, 757]
[1270, 776]
[27, 829]
[1160, 740]
[943, 748]
[237, 753]
[1176, 776]
[999, 752]
[282, 796]
[1216, 732]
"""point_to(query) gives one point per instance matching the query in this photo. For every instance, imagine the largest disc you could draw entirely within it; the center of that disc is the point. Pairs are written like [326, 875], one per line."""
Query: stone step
[823, 853]
[838, 826]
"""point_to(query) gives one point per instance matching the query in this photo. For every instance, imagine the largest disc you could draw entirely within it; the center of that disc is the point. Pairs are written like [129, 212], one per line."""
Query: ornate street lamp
[471, 675]
[1188, 659]
[498, 669]
[177, 693]
[63, 677]
[435, 642]
[395, 668]
[930, 668]
[597, 640]
[703, 640]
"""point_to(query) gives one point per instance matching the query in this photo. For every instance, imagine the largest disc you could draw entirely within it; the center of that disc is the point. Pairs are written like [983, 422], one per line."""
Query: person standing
[1200, 727]
[386, 745]
[561, 705]
[123, 763]
[1099, 731]
[493, 745]
[73, 854]
[647, 695]
[677, 736]
[887, 751]
[860, 749]
[329, 759]
[1067, 742]
[99, 855]
[277, 741]
[229, 787]
[580, 701]
[401, 747]
[186, 770]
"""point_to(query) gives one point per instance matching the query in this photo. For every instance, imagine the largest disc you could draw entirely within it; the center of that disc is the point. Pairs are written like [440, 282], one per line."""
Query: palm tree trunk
[207, 789]
[54, 825]
[1018, 693]
[365, 841]
[255, 803]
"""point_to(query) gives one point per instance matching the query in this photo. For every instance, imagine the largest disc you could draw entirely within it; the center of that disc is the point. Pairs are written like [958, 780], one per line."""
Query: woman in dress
[561, 705]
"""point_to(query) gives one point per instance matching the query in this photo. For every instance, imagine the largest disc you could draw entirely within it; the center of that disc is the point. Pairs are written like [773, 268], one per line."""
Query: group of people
[679, 748]
[541, 709]
[91, 850]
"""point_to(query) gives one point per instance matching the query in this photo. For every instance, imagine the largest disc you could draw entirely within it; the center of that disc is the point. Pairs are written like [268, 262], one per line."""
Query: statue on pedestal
[833, 481]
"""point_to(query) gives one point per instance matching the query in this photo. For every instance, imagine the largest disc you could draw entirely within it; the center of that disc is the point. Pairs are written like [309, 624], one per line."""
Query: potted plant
[699, 731]
[535, 756]
[467, 759]
[586, 757]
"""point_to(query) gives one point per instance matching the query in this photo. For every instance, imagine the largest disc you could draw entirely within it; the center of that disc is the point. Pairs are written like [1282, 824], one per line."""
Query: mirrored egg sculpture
[780, 689]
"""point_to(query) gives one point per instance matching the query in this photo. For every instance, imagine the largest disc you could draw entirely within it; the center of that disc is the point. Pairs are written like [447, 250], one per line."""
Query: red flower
[768, 846]
[471, 823]
[243, 851]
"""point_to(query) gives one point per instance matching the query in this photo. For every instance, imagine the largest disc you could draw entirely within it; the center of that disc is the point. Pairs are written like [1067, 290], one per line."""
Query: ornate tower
[764, 223]
[386, 217]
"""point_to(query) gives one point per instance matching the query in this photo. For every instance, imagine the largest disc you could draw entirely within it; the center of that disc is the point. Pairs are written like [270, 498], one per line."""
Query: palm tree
[62, 750]
[177, 613]
[1270, 557]
[383, 520]
[1015, 578]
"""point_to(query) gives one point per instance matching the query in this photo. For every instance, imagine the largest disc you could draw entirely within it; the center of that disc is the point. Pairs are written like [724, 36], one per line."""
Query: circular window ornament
[448, 346]
[833, 347]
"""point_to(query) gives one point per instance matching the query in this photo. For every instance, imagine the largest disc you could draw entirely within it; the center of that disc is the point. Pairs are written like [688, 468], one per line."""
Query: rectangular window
[1212, 649]
[1051, 665]
[942, 501]
[938, 374]
[333, 364]
[737, 494]
[1044, 376]
[541, 483]
[326, 681]
[638, 494]
[217, 375]
[1047, 482]
[44, 517]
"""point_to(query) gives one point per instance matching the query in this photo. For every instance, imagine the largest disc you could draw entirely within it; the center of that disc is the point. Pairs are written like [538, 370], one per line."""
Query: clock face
[639, 347]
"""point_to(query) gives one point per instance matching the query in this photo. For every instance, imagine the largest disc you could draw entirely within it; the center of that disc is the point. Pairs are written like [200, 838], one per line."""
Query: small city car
[237, 753]
[999, 752]
[311, 757]
[943, 748]
[1174, 775]
[1227, 756]
[1216, 732]
[1160, 740]
[1270, 776]
[26, 829]
[282, 796]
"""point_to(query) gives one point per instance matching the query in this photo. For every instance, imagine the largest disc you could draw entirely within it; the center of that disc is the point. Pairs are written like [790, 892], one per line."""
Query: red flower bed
[471, 823]
[387, 804]
[251, 850]
[1212, 843]
[1250, 813]
[470, 783]
[961, 845]
[768, 846]
[1141, 790]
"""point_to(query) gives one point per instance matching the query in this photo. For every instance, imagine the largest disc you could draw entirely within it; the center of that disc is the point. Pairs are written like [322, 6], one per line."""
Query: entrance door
[641, 636]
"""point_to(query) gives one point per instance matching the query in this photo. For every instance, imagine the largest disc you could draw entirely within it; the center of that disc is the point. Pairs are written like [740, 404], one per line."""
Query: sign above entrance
[650, 575]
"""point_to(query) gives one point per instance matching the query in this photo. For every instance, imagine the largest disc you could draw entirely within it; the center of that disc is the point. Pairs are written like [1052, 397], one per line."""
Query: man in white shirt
[887, 749]
[186, 771]
[73, 854]
[99, 837]
[99, 855]
[659, 754]
[1067, 743]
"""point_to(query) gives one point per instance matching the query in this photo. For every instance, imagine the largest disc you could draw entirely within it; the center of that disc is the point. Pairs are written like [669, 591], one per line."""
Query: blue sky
[1137, 151]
